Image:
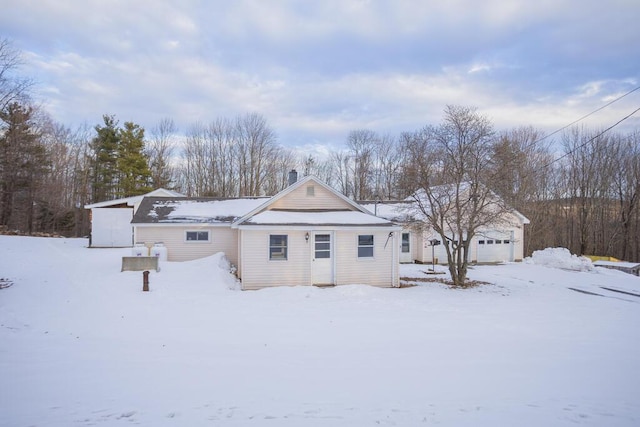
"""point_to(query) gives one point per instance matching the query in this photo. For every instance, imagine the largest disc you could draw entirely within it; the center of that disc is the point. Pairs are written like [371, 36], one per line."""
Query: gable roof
[193, 210]
[354, 214]
[131, 201]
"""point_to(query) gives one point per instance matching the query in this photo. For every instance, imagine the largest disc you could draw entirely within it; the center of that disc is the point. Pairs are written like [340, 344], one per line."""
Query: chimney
[293, 176]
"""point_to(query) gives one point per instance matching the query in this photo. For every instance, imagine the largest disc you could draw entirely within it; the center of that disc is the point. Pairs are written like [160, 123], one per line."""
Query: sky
[318, 70]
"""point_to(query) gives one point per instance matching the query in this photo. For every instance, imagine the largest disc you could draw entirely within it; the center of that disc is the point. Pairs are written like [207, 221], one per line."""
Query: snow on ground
[83, 345]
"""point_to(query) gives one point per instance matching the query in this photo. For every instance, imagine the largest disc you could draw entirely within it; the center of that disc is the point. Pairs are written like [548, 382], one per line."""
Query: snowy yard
[83, 345]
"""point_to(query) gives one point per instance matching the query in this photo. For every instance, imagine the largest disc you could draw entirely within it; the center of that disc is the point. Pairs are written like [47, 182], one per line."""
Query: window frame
[366, 246]
[197, 240]
[284, 248]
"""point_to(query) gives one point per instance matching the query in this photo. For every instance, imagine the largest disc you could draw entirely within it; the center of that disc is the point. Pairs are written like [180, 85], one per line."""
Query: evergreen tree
[120, 165]
[133, 166]
[23, 165]
[105, 160]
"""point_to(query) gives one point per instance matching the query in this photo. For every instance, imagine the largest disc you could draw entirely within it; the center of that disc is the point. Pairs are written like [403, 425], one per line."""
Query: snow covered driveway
[82, 345]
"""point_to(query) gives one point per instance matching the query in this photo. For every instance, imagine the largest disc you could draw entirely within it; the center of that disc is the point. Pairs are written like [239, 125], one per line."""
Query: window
[405, 243]
[489, 242]
[197, 236]
[278, 247]
[498, 242]
[365, 246]
[323, 246]
[506, 242]
[311, 190]
[481, 242]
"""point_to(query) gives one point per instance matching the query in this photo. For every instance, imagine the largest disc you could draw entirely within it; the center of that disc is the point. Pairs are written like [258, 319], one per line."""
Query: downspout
[396, 263]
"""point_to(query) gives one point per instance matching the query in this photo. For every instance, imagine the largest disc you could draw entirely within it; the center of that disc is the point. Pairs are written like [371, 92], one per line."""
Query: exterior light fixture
[306, 237]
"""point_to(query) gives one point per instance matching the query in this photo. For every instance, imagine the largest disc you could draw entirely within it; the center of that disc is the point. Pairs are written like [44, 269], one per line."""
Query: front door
[322, 261]
[405, 248]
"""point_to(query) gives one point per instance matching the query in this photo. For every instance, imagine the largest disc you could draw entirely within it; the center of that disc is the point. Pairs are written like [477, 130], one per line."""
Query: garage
[495, 246]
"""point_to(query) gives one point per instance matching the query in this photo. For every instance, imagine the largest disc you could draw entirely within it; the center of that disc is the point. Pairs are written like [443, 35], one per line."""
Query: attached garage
[495, 247]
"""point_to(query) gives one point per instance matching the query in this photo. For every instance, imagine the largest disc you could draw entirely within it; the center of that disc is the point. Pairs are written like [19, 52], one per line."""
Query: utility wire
[587, 115]
[593, 138]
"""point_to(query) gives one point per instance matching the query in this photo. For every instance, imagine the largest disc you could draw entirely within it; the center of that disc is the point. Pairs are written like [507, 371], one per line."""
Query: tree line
[579, 190]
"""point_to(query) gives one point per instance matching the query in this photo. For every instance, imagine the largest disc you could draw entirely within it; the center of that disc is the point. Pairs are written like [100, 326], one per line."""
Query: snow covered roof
[345, 217]
[166, 210]
[131, 201]
[399, 211]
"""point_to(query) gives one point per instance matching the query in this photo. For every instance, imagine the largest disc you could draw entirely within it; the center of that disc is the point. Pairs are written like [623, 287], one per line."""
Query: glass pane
[323, 237]
[277, 240]
[323, 246]
[278, 253]
[365, 252]
[323, 254]
[365, 240]
[203, 235]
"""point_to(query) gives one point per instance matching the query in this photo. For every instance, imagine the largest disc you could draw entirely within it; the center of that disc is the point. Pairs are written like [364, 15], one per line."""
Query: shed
[111, 220]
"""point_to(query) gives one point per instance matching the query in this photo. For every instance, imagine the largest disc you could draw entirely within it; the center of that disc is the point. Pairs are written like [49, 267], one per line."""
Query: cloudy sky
[318, 69]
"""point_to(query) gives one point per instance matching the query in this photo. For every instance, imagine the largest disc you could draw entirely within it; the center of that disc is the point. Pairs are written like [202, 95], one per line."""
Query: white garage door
[496, 247]
[111, 227]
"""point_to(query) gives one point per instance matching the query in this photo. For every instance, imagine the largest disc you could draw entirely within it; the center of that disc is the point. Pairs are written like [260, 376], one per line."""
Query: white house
[502, 241]
[111, 220]
[308, 234]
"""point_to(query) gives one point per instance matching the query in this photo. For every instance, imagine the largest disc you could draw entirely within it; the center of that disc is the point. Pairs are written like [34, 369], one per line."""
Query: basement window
[278, 247]
[197, 236]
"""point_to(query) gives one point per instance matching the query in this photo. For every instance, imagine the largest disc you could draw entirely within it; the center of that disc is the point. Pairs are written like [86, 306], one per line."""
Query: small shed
[111, 220]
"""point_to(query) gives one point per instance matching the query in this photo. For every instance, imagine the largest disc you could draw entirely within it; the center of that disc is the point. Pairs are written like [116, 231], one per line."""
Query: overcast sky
[318, 69]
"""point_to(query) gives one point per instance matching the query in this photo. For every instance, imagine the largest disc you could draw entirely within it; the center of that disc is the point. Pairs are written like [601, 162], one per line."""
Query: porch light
[306, 237]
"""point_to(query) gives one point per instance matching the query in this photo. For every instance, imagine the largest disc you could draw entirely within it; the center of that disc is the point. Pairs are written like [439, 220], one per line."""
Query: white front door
[322, 259]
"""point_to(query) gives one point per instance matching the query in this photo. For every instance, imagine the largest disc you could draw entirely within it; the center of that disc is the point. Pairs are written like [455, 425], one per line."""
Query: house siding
[258, 271]
[321, 199]
[222, 239]
[374, 271]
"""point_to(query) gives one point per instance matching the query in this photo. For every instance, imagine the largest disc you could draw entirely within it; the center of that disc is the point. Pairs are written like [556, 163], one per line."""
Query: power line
[593, 138]
[587, 115]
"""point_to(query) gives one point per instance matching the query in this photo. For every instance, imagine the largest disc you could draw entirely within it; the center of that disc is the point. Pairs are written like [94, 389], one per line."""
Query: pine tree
[105, 160]
[133, 166]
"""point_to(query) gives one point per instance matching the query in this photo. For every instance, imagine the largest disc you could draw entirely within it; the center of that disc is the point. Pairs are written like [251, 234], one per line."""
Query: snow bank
[560, 258]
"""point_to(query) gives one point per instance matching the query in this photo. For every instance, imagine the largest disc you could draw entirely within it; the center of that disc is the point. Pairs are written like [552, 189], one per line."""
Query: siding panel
[321, 199]
[222, 239]
[259, 272]
[378, 271]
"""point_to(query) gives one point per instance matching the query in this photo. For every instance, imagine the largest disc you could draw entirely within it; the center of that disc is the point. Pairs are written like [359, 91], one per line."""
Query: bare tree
[448, 167]
[626, 188]
[160, 150]
[13, 87]
[521, 175]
